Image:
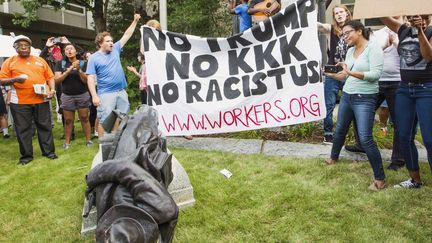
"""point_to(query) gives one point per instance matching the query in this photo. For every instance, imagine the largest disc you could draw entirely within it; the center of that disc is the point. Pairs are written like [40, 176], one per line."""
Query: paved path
[278, 148]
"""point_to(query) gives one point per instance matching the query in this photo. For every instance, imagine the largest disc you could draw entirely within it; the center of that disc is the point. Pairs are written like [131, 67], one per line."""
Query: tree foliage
[199, 17]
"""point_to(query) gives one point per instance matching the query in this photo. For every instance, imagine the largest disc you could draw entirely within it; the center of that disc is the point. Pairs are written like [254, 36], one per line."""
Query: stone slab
[240, 146]
[277, 148]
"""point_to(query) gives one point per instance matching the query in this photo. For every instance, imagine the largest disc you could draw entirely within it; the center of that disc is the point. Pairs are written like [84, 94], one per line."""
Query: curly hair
[100, 37]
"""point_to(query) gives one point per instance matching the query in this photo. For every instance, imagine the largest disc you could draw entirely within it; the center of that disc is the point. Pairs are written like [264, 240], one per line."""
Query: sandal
[330, 161]
[375, 187]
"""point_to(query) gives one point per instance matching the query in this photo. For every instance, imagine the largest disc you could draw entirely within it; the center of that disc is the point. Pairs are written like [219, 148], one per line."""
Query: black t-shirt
[413, 67]
[72, 84]
[338, 48]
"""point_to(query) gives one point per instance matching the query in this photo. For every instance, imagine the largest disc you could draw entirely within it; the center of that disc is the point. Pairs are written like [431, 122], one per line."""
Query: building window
[349, 4]
[75, 9]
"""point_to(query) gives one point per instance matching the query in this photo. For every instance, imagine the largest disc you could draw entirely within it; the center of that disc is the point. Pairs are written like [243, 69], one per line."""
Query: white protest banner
[268, 76]
[388, 8]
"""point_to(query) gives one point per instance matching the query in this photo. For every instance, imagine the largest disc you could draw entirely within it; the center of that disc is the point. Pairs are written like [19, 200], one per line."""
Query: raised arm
[425, 44]
[133, 70]
[392, 23]
[130, 30]
[324, 28]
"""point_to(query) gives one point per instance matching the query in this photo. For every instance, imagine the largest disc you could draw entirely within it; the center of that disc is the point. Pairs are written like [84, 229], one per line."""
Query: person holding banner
[143, 80]
[242, 11]
[361, 71]
[336, 53]
[105, 66]
[139, 74]
[261, 10]
[414, 95]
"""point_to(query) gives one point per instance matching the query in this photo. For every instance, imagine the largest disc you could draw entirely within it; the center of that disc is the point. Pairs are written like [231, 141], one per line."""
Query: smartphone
[57, 40]
[332, 69]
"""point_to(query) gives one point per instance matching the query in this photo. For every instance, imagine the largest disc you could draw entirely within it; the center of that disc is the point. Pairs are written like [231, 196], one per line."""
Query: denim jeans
[331, 90]
[414, 103]
[360, 107]
[387, 92]
[117, 100]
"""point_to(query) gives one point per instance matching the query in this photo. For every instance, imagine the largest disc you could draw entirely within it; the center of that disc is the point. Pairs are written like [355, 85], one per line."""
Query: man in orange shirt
[32, 82]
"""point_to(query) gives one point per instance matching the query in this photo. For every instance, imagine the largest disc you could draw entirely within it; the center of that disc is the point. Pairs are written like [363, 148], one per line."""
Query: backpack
[63, 64]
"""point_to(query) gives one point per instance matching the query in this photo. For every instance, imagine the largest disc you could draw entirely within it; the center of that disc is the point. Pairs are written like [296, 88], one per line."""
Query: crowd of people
[392, 65]
[65, 72]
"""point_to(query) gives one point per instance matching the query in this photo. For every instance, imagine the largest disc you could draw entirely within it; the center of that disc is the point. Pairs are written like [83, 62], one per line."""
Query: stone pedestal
[180, 189]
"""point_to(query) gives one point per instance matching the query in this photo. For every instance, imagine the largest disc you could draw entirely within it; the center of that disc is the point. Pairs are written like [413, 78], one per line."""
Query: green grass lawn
[268, 199]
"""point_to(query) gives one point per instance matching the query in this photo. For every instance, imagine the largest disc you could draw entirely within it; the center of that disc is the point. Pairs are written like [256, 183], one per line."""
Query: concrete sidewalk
[277, 148]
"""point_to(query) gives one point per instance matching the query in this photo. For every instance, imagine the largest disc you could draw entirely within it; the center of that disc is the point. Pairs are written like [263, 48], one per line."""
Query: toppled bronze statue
[129, 188]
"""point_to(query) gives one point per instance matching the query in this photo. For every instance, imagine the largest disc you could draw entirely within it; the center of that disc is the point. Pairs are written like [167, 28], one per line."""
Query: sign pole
[163, 14]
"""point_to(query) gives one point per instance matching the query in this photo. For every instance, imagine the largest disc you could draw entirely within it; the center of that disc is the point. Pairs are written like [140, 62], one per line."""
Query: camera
[56, 40]
[332, 69]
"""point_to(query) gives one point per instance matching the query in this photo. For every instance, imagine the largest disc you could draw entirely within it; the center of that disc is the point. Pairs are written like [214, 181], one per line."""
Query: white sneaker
[89, 143]
[409, 184]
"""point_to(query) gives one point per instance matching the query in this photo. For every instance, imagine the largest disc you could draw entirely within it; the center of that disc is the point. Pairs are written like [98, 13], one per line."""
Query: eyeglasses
[346, 33]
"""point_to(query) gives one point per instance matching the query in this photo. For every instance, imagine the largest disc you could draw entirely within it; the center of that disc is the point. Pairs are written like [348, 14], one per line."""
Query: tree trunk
[99, 16]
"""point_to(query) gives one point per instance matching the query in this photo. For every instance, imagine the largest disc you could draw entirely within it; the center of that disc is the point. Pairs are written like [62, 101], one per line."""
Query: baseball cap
[22, 37]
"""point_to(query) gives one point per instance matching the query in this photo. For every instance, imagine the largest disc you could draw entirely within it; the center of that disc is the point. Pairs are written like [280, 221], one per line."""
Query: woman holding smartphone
[361, 70]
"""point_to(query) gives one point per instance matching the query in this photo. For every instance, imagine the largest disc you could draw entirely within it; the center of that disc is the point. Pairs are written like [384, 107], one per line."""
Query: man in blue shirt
[242, 11]
[105, 67]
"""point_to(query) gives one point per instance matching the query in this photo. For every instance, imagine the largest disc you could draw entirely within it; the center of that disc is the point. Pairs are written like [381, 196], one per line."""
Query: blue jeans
[414, 103]
[387, 92]
[360, 107]
[331, 90]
